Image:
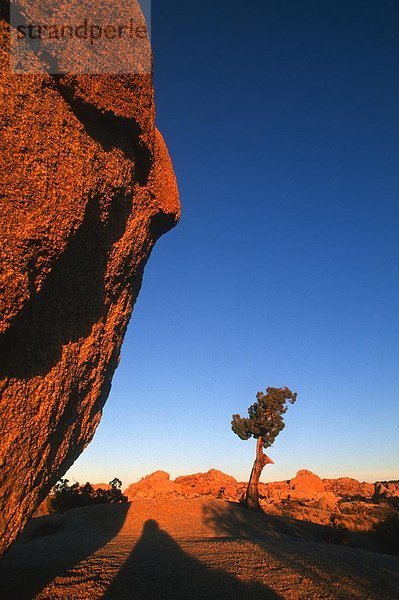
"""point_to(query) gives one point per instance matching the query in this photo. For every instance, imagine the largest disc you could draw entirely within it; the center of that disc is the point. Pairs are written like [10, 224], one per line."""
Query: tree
[264, 423]
[64, 496]
[116, 483]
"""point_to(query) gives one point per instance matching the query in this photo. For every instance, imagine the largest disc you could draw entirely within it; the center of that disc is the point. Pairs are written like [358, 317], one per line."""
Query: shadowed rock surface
[87, 187]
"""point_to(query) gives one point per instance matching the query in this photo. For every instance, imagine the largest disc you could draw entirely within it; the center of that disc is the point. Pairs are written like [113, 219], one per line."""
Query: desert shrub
[335, 533]
[220, 494]
[386, 534]
[355, 498]
[393, 501]
[390, 502]
[355, 507]
[64, 496]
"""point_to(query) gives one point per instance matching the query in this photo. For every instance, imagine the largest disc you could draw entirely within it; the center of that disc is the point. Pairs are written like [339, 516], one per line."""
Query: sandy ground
[187, 549]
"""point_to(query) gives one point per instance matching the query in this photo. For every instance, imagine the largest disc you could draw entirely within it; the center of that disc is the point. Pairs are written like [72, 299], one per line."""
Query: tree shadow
[159, 569]
[53, 545]
[299, 545]
[233, 519]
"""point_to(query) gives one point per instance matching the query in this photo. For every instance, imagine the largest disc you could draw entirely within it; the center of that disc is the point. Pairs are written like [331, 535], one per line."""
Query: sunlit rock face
[213, 483]
[87, 188]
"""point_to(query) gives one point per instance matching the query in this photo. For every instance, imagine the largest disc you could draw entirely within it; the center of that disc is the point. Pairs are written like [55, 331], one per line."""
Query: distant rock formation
[346, 486]
[305, 486]
[87, 189]
[212, 483]
[101, 486]
[158, 485]
[386, 489]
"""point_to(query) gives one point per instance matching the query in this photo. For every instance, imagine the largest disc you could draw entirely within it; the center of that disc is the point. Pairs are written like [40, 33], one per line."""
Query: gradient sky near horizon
[282, 121]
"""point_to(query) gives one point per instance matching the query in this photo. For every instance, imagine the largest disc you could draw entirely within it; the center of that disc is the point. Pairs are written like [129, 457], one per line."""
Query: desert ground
[192, 549]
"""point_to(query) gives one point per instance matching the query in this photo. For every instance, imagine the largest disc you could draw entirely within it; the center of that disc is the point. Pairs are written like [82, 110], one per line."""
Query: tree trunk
[252, 494]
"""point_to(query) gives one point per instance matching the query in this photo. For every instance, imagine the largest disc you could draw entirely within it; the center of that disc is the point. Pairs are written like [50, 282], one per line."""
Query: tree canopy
[64, 496]
[265, 416]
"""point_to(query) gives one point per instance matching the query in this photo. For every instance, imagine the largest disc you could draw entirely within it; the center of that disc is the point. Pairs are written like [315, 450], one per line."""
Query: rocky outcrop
[327, 501]
[213, 483]
[156, 485]
[305, 486]
[87, 188]
[274, 491]
[384, 490]
[346, 486]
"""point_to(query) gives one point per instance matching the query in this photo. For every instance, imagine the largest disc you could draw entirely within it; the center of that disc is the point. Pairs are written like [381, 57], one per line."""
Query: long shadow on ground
[297, 545]
[49, 548]
[158, 569]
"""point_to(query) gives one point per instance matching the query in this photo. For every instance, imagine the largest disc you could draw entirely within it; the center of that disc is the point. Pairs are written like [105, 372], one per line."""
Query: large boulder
[87, 188]
[305, 485]
[156, 485]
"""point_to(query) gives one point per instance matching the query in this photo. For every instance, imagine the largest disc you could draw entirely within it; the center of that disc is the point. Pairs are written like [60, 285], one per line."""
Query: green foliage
[64, 496]
[116, 483]
[265, 416]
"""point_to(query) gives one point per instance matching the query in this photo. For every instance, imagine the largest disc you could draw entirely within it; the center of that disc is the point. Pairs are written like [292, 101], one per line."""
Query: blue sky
[282, 121]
